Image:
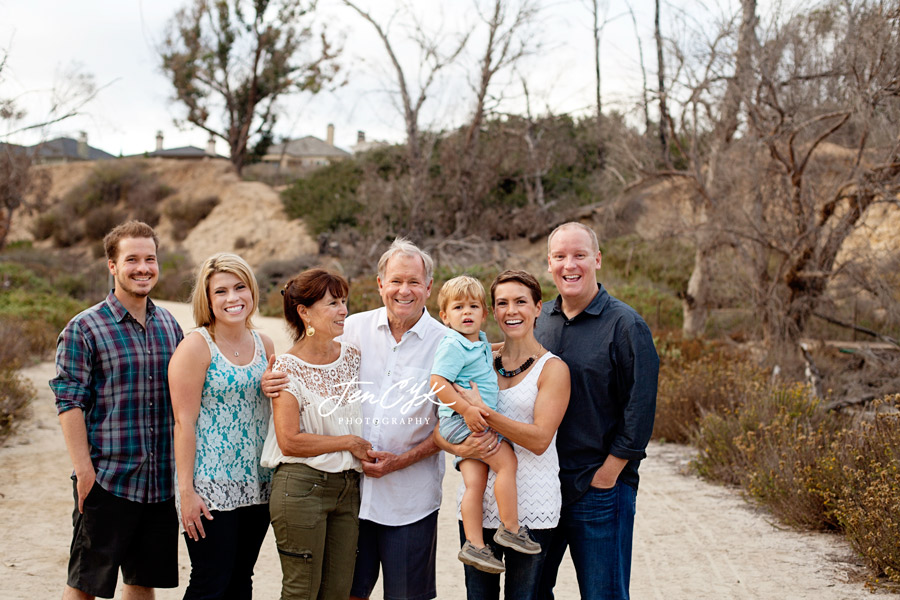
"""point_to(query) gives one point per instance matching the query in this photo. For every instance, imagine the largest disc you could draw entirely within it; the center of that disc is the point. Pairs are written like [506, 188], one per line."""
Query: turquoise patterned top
[231, 429]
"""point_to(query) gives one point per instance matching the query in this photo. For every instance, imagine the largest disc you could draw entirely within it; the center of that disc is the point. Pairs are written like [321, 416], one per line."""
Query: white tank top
[537, 478]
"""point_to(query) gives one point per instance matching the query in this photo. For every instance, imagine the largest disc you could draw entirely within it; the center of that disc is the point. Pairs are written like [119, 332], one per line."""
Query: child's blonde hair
[463, 286]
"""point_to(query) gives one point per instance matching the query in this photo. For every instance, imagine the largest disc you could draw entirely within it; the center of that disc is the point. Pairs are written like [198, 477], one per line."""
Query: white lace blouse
[325, 394]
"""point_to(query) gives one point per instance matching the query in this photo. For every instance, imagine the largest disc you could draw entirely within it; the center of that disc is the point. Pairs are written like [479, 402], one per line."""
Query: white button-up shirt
[398, 414]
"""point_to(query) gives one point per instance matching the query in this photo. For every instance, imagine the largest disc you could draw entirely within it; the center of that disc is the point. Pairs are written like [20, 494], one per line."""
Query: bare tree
[220, 58]
[827, 114]
[504, 47]
[664, 119]
[22, 188]
[644, 88]
[787, 142]
[434, 59]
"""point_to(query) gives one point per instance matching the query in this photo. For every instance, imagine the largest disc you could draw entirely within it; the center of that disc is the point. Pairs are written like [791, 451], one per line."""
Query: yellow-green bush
[689, 389]
[866, 503]
[15, 391]
[811, 468]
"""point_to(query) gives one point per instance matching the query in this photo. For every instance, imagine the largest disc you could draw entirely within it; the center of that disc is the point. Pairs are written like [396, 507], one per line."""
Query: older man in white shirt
[401, 490]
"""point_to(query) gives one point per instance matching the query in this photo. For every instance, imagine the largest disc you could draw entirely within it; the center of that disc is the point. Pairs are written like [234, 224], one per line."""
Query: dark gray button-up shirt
[614, 369]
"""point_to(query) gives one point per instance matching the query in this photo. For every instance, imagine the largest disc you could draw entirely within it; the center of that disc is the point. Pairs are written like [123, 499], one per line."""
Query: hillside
[248, 219]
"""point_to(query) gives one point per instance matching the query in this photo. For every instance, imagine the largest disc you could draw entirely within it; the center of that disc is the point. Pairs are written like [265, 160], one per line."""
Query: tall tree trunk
[661, 79]
[644, 89]
[598, 33]
[695, 301]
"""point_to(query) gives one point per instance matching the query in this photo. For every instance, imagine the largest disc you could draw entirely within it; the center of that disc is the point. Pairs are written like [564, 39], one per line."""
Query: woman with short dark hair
[534, 393]
[314, 443]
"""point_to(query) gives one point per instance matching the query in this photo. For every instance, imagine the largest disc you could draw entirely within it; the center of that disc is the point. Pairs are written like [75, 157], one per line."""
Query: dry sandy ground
[693, 540]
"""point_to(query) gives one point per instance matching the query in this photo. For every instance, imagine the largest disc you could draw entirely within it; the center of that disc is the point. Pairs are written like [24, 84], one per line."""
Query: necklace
[498, 364]
[236, 352]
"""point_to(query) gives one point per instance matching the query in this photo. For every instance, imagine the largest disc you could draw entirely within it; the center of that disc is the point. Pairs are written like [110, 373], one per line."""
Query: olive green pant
[315, 516]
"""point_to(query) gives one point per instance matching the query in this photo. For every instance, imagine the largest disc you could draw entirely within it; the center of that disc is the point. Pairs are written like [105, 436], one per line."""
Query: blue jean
[598, 528]
[523, 571]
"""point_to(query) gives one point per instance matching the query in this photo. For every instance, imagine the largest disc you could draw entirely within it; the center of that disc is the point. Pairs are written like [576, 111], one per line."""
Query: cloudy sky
[117, 41]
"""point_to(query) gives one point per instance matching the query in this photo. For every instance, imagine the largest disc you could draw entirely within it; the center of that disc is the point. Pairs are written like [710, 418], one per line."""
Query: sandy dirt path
[693, 540]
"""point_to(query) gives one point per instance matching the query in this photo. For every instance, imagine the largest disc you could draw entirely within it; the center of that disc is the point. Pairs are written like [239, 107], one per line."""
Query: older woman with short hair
[314, 443]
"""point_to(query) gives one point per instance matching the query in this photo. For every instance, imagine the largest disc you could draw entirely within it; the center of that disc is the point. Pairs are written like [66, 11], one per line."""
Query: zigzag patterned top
[537, 478]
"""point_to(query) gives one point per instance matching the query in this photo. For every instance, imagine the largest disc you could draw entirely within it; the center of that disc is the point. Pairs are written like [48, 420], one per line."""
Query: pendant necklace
[498, 364]
[236, 353]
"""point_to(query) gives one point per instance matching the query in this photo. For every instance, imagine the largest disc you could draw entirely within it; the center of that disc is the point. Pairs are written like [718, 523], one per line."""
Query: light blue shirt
[460, 360]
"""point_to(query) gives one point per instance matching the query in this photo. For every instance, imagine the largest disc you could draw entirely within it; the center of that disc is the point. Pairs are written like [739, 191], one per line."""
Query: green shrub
[186, 214]
[667, 261]
[41, 316]
[326, 198]
[661, 309]
[176, 277]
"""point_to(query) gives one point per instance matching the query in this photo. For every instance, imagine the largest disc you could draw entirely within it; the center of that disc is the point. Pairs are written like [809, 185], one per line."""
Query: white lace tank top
[328, 406]
[230, 431]
[537, 478]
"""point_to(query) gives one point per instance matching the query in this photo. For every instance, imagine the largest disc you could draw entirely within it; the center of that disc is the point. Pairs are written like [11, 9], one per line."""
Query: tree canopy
[237, 58]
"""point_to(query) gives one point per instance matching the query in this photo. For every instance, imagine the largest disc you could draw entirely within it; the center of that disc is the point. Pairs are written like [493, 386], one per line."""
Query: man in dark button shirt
[112, 396]
[602, 438]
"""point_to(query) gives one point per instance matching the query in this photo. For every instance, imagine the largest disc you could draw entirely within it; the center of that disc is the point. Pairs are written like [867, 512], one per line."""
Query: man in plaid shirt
[112, 396]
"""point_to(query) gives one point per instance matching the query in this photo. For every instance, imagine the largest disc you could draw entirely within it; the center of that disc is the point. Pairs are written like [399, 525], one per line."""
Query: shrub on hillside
[691, 388]
[100, 220]
[15, 391]
[272, 276]
[660, 309]
[186, 214]
[176, 277]
[667, 261]
[113, 192]
[811, 468]
[326, 198]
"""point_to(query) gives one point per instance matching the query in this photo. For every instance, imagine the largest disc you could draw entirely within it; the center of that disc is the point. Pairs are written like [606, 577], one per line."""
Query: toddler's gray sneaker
[480, 558]
[519, 541]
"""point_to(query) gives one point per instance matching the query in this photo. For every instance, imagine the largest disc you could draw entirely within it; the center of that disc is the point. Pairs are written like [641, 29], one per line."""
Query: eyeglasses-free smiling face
[465, 315]
[573, 263]
[230, 298]
[135, 270]
[514, 309]
[326, 315]
[404, 289]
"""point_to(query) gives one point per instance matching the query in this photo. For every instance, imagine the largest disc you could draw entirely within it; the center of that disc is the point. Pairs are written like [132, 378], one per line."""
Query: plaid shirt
[116, 371]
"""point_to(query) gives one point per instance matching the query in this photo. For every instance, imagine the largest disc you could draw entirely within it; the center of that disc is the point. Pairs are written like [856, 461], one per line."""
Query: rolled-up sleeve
[638, 373]
[72, 384]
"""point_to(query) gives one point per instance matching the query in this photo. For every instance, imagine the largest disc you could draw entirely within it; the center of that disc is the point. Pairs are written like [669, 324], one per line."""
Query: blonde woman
[221, 420]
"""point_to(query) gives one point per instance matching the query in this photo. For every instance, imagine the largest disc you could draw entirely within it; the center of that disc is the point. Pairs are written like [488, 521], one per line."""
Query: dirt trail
[693, 540]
